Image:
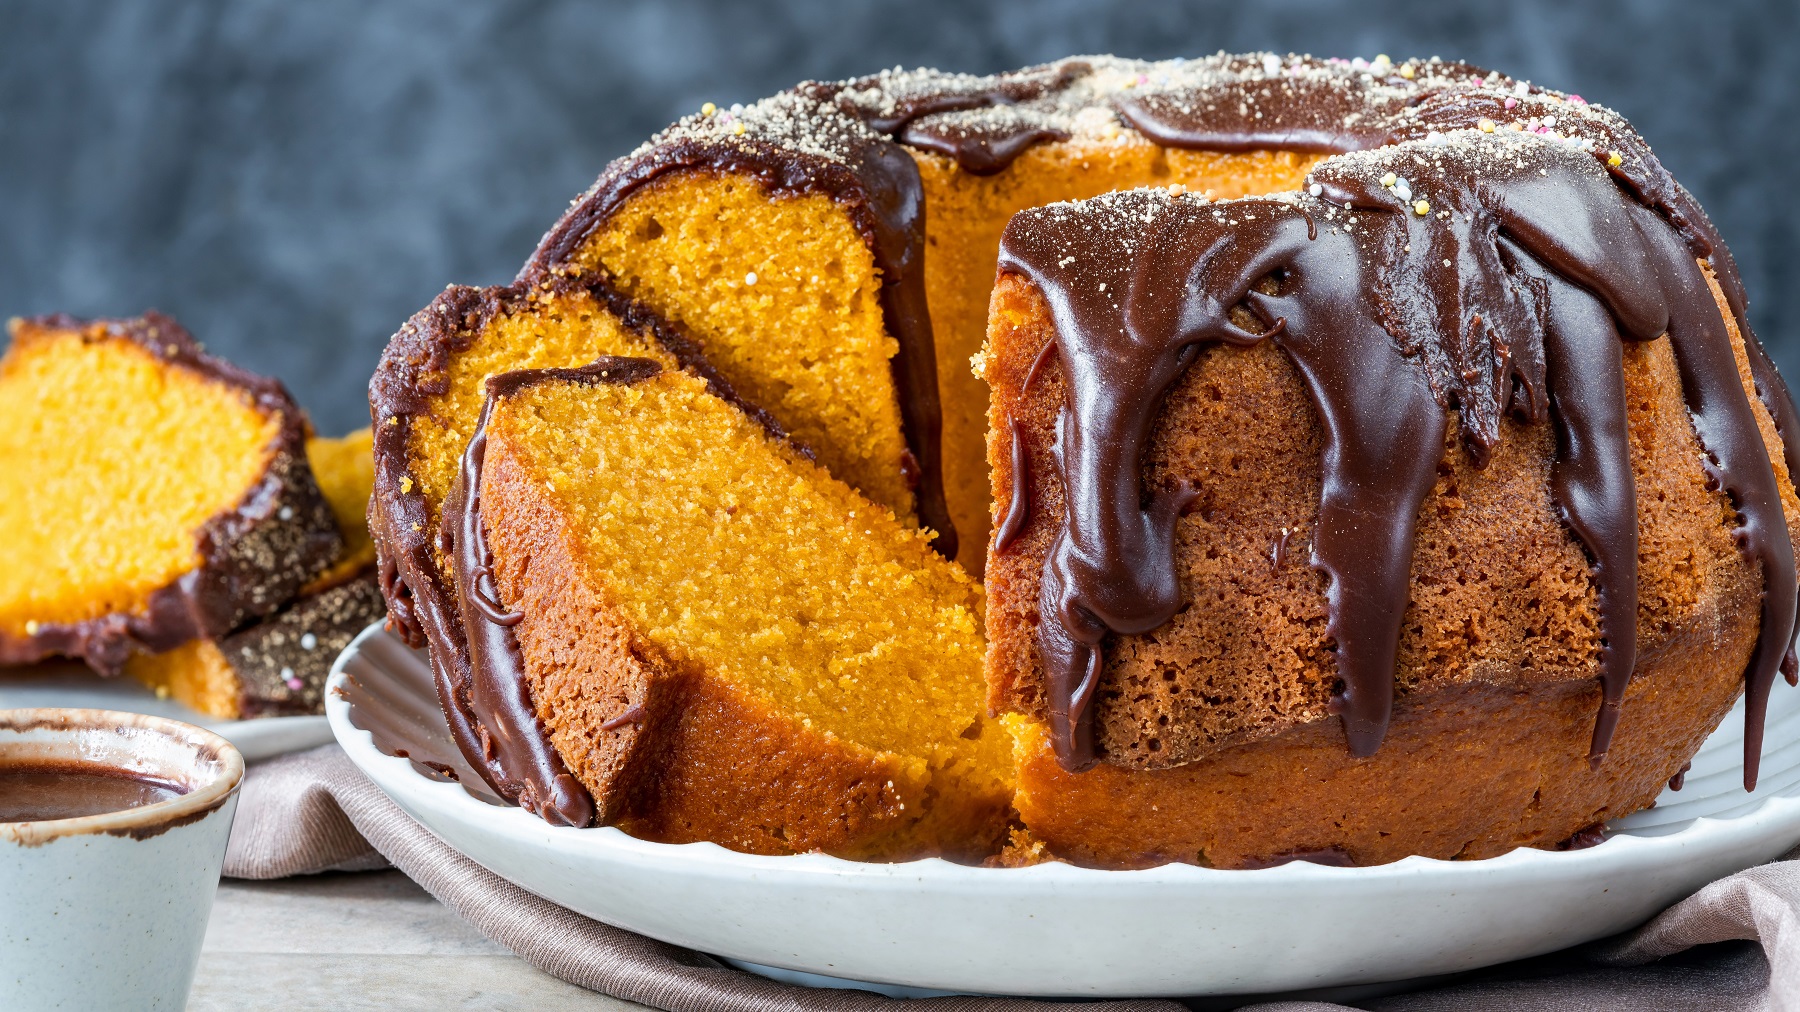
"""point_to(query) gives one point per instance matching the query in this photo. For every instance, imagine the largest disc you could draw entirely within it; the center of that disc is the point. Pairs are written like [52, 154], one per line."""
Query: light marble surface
[364, 941]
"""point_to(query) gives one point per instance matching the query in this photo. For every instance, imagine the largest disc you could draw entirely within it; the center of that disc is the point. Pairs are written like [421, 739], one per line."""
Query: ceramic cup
[108, 911]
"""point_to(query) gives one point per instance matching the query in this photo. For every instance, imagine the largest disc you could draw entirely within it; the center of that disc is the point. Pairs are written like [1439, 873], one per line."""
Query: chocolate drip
[984, 149]
[896, 199]
[1018, 508]
[924, 113]
[1590, 478]
[1127, 328]
[1649, 280]
[1526, 279]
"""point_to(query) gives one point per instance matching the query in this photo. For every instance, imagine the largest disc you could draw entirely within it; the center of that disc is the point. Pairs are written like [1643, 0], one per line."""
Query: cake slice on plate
[721, 641]
[156, 494]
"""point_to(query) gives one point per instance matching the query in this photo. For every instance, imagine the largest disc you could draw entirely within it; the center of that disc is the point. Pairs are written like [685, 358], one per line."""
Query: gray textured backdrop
[293, 179]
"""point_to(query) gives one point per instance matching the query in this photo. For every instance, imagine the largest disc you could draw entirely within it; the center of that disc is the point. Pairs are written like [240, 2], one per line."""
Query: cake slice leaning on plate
[722, 641]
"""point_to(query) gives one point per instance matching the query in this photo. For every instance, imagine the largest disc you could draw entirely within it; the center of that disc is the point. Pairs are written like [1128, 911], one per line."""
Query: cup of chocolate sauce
[112, 832]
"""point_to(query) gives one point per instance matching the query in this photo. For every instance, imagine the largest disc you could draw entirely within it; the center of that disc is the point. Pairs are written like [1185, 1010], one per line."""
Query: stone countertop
[362, 941]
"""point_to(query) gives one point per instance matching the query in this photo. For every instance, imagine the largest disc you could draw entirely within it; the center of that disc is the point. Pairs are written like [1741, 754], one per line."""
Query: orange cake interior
[110, 462]
[530, 328]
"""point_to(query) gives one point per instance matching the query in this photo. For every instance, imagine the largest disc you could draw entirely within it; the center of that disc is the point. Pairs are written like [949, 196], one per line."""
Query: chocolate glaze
[495, 702]
[1522, 282]
[1018, 507]
[253, 557]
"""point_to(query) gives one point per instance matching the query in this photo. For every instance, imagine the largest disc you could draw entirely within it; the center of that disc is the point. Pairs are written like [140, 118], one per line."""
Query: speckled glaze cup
[108, 911]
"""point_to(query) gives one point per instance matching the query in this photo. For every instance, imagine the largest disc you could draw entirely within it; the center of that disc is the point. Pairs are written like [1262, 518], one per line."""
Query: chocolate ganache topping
[1497, 275]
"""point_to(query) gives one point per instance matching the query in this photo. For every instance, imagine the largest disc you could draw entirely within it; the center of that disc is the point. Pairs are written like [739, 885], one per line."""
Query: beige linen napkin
[316, 812]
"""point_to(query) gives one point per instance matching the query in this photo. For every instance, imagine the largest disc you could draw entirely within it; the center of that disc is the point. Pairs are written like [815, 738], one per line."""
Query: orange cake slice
[153, 494]
[719, 640]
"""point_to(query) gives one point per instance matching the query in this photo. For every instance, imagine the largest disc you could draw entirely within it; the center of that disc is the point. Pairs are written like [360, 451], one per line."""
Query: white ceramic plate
[75, 686]
[1055, 930]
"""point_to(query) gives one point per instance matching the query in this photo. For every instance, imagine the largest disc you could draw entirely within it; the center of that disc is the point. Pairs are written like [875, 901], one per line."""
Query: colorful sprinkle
[708, 109]
[738, 127]
[1389, 179]
[1512, 103]
[309, 642]
[1614, 160]
[1577, 100]
[1487, 126]
[1421, 207]
[1407, 71]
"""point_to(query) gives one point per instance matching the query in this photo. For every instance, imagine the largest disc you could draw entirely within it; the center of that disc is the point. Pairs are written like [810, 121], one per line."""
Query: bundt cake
[158, 495]
[277, 666]
[654, 564]
[1382, 463]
